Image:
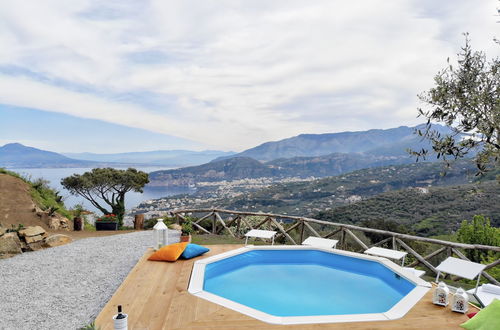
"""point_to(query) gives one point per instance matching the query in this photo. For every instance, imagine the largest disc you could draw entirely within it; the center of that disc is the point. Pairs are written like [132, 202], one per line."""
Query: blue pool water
[305, 283]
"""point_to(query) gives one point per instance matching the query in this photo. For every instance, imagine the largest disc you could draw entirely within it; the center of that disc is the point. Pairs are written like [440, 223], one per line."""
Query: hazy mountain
[173, 158]
[18, 155]
[378, 142]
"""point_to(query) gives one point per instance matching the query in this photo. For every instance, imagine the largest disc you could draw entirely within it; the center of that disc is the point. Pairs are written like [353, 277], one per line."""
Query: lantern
[160, 235]
[460, 301]
[441, 295]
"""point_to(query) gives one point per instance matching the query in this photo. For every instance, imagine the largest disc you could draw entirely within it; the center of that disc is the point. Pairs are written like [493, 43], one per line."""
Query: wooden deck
[155, 296]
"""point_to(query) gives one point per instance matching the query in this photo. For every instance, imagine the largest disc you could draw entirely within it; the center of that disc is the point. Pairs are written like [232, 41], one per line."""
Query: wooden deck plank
[155, 296]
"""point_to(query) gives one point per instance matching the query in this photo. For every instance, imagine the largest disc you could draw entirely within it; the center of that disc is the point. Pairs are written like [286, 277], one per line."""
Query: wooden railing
[237, 222]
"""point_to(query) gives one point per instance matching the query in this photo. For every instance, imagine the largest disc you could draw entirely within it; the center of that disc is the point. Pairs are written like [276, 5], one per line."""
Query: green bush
[478, 231]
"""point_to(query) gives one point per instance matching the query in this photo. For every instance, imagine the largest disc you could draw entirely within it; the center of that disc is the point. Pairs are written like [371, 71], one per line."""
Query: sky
[119, 75]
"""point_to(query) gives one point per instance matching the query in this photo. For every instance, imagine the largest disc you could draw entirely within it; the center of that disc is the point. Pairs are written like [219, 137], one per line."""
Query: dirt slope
[16, 205]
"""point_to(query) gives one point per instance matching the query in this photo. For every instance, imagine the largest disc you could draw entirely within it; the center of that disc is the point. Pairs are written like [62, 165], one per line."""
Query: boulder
[32, 231]
[58, 223]
[56, 240]
[10, 244]
[33, 239]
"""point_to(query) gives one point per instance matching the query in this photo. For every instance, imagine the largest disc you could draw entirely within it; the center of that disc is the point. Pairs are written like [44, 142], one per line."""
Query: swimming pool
[299, 284]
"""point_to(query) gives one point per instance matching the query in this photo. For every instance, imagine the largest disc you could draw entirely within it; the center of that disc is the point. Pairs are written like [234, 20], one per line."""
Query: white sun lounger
[463, 268]
[259, 233]
[320, 242]
[387, 253]
[486, 293]
[416, 272]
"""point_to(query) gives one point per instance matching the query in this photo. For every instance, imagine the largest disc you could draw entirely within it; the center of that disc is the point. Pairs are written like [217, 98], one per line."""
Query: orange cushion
[170, 252]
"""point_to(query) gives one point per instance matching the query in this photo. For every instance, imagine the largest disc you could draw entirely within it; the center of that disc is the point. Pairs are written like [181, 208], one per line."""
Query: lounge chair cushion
[486, 319]
[193, 250]
[170, 252]
[491, 288]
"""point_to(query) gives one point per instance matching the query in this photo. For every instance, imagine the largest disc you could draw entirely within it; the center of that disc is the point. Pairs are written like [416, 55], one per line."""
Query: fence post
[302, 231]
[342, 238]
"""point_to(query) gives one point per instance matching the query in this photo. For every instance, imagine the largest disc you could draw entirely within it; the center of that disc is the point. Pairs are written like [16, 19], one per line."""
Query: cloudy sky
[121, 75]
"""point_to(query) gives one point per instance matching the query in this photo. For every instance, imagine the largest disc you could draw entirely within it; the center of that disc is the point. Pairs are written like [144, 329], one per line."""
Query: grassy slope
[44, 196]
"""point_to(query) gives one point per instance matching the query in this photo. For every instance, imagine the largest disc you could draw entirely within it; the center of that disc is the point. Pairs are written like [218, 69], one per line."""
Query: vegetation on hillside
[308, 198]
[425, 211]
[47, 198]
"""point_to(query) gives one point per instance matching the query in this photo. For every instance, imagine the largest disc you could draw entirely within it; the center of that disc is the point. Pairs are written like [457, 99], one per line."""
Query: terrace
[155, 294]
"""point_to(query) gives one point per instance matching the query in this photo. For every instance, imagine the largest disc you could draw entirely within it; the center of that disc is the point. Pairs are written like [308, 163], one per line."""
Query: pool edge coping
[400, 309]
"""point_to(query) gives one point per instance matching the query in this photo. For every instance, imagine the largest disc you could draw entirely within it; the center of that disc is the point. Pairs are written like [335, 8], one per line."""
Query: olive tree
[465, 98]
[103, 186]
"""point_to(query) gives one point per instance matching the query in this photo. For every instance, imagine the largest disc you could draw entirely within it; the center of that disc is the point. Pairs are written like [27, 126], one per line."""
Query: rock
[175, 227]
[33, 239]
[31, 231]
[58, 223]
[2, 231]
[10, 244]
[24, 246]
[56, 240]
[35, 246]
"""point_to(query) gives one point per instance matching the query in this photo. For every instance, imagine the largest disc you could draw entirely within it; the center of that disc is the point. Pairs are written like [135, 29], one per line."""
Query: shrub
[478, 231]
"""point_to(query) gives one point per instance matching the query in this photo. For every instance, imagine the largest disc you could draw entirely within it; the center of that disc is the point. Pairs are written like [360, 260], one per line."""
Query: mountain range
[300, 156]
[377, 142]
[304, 156]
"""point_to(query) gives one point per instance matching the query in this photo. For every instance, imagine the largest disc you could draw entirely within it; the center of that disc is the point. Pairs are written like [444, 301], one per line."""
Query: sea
[132, 199]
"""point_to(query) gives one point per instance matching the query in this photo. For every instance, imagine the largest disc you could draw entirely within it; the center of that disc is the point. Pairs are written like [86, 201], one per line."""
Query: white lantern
[441, 295]
[160, 235]
[460, 301]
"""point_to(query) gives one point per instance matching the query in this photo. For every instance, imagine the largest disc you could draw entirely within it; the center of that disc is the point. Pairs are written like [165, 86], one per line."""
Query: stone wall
[31, 238]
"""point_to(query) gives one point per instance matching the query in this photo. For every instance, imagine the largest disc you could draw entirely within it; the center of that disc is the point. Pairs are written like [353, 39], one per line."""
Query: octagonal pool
[298, 284]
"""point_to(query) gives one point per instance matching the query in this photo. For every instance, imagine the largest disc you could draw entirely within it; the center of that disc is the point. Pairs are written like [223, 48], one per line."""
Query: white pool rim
[396, 312]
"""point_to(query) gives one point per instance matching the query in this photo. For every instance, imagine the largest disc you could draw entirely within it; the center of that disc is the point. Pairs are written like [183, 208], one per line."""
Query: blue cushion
[193, 250]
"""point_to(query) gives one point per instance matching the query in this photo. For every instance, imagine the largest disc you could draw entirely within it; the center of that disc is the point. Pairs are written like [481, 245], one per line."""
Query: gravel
[67, 286]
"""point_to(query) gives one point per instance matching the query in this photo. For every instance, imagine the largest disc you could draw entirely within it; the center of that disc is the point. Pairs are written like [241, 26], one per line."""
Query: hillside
[229, 169]
[30, 204]
[307, 198]
[238, 168]
[14, 155]
[310, 197]
[426, 211]
[377, 142]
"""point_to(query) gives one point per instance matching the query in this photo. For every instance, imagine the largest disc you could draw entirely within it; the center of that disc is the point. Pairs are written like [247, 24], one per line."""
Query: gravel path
[67, 286]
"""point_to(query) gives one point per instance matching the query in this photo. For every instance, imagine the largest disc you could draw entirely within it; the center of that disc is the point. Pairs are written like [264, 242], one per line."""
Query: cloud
[232, 74]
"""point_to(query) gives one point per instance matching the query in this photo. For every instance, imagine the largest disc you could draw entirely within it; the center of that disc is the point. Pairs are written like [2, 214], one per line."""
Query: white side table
[258, 233]
[320, 242]
[387, 253]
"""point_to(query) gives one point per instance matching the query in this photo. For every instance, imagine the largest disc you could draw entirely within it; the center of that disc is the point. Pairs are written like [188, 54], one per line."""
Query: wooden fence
[236, 222]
